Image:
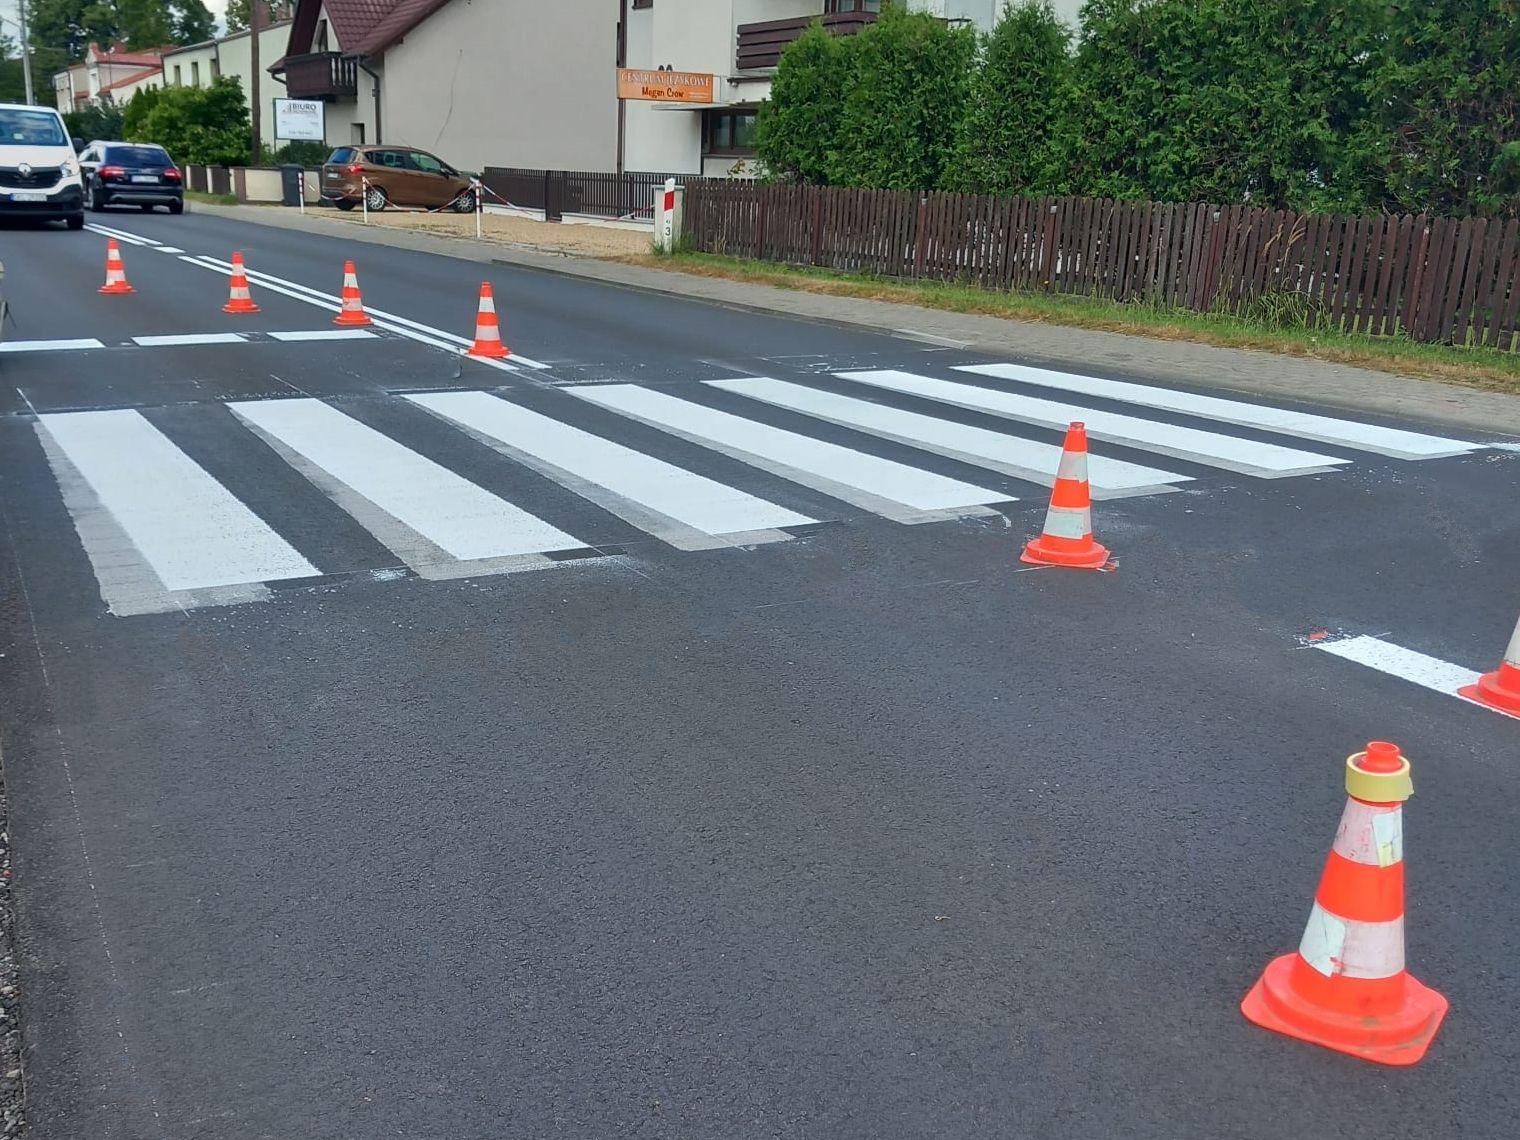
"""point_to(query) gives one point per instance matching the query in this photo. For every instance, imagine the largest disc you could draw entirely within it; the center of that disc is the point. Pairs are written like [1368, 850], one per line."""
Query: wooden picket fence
[1442, 280]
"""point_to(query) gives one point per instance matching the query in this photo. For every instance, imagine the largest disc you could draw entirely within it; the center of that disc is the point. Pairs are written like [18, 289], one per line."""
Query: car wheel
[465, 203]
[375, 199]
[176, 207]
[97, 200]
[75, 221]
[345, 204]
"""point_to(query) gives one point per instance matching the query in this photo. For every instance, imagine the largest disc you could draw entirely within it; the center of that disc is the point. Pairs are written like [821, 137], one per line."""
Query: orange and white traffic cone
[1501, 688]
[352, 312]
[1346, 988]
[116, 271]
[487, 330]
[1067, 538]
[240, 300]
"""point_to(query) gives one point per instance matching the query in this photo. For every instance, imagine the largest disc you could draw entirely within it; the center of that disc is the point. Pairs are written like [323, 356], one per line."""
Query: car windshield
[31, 128]
[138, 156]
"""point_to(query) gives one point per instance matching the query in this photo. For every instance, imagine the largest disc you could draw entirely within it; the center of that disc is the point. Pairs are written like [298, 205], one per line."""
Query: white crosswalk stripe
[1266, 460]
[1025, 458]
[684, 509]
[438, 523]
[163, 533]
[1325, 429]
[895, 490]
[154, 523]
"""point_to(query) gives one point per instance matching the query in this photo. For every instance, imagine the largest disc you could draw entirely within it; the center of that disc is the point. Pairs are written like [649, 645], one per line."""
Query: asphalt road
[849, 829]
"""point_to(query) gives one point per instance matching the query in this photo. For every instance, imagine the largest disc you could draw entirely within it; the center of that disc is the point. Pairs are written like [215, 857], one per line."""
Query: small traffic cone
[487, 331]
[240, 300]
[116, 271]
[1067, 538]
[1346, 988]
[1501, 688]
[352, 312]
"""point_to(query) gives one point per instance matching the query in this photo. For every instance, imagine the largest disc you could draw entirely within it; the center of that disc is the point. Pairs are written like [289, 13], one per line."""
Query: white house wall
[507, 83]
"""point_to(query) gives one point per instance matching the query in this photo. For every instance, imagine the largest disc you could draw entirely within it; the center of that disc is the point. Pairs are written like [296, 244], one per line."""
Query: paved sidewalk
[1168, 361]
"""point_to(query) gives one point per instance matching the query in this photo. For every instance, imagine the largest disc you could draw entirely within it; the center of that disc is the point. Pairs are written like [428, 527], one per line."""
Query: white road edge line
[1406, 664]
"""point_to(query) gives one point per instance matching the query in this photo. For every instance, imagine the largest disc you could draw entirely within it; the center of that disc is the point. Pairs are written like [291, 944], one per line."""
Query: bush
[102, 119]
[202, 125]
[1006, 139]
[797, 134]
[303, 152]
[910, 80]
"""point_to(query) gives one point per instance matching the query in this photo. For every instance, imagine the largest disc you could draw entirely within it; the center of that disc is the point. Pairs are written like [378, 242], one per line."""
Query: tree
[900, 113]
[100, 119]
[238, 13]
[1214, 100]
[202, 125]
[12, 81]
[798, 126]
[1005, 142]
[135, 114]
[70, 26]
[1443, 134]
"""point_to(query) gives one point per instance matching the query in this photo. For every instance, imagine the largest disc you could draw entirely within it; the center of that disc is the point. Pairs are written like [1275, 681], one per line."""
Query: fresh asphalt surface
[862, 834]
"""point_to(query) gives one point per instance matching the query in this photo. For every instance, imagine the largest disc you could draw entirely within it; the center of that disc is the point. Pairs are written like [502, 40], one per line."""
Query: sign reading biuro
[665, 86]
[300, 119]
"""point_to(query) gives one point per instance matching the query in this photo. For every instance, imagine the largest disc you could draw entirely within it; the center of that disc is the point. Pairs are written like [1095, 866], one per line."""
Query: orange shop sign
[665, 86]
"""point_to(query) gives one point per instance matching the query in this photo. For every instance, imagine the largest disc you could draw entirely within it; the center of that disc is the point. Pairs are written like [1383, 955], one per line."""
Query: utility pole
[26, 54]
[254, 98]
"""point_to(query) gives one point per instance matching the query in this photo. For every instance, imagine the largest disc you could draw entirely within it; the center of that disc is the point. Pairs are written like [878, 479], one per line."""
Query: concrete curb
[1201, 366]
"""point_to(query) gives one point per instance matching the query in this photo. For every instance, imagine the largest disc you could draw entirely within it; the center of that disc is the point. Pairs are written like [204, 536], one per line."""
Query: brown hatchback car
[401, 175]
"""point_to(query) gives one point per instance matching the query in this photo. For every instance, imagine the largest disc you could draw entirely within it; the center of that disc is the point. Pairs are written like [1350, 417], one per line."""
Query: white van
[39, 171]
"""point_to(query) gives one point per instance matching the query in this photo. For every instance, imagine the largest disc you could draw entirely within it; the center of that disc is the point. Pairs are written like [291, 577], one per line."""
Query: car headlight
[67, 168]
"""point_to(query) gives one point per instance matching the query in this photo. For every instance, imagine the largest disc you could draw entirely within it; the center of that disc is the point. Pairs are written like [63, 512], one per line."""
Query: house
[479, 82]
[527, 83]
[111, 73]
[199, 65]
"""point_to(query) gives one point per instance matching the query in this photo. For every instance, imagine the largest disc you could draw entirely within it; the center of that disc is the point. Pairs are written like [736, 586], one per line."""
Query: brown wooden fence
[1453, 280]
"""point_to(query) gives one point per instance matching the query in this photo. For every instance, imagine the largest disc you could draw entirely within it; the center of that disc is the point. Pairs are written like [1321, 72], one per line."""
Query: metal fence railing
[629, 196]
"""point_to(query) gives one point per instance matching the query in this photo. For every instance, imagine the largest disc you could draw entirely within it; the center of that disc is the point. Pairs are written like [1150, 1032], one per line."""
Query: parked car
[135, 174]
[39, 171]
[382, 175]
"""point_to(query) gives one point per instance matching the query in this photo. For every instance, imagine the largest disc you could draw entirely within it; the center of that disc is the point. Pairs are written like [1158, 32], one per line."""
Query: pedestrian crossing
[463, 483]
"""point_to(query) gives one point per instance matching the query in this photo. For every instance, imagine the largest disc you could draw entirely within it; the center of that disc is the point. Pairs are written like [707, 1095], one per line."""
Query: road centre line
[120, 235]
[177, 339]
[444, 338]
[1406, 664]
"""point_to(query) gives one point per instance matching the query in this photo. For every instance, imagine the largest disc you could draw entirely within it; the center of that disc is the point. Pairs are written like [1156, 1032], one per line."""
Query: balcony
[324, 75]
[761, 45]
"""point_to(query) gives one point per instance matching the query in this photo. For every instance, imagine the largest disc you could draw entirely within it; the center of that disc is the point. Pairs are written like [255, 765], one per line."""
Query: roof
[361, 27]
[136, 77]
[117, 53]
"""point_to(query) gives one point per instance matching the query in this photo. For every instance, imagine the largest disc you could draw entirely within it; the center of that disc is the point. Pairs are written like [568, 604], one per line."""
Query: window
[195, 73]
[146, 156]
[342, 155]
[319, 41]
[832, 6]
[728, 132]
[643, 3]
[426, 162]
[357, 131]
[216, 68]
[33, 128]
[177, 79]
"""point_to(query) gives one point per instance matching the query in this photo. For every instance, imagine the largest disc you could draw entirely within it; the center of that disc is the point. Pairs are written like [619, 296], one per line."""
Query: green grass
[213, 199]
[1272, 324]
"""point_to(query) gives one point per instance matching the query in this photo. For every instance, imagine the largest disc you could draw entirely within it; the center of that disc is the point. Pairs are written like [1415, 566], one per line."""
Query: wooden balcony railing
[323, 75]
[761, 45]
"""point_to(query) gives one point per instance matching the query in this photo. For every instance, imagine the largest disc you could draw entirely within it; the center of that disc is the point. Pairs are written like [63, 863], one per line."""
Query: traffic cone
[487, 331]
[116, 271]
[1067, 538]
[240, 300]
[1501, 688]
[352, 312]
[1346, 988]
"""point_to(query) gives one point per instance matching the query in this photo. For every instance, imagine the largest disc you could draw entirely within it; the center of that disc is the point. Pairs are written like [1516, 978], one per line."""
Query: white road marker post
[364, 197]
[480, 205]
[665, 221]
